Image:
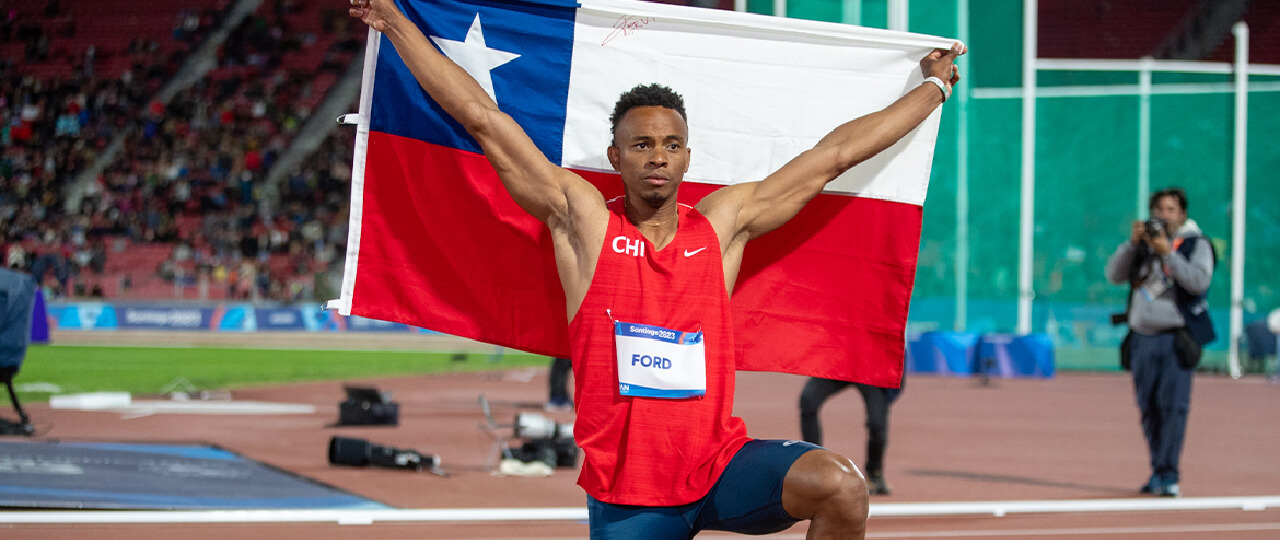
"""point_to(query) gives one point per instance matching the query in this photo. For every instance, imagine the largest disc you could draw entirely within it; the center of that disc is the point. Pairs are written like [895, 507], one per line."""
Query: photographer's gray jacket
[1160, 312]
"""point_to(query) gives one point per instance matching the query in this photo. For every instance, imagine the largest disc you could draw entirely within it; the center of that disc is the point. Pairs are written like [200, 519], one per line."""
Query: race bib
[659, 362]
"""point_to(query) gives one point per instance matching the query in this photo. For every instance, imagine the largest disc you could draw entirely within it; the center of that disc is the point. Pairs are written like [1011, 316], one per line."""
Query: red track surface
[1073, 437]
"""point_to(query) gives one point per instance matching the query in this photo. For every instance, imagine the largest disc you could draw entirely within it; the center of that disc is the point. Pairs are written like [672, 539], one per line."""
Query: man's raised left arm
[756, 208]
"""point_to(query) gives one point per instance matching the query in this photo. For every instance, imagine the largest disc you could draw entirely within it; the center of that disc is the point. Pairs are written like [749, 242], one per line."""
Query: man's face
[1167, 209]
[650, 152]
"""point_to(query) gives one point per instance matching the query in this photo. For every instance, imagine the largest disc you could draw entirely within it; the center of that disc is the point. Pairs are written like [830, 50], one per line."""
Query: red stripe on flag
[827, 294]
[443, 246]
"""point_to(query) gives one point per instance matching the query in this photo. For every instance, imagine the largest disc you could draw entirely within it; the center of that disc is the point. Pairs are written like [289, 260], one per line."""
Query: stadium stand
[1264, 35]
[182, 211]
[1110, 24]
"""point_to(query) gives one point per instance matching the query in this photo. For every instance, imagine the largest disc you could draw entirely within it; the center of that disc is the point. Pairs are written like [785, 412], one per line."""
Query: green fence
[1087, 161]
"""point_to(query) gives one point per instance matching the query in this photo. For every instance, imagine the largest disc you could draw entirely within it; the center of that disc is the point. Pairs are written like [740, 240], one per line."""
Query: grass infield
[149, 370]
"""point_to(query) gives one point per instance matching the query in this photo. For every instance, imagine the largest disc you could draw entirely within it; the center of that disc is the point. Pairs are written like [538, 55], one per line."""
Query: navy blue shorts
[746, 499]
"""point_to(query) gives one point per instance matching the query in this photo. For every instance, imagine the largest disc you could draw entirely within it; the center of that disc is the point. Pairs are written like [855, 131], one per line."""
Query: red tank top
[652, 451]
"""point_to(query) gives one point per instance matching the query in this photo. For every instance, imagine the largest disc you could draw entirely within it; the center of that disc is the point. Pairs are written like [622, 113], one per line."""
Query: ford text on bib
[659, 362]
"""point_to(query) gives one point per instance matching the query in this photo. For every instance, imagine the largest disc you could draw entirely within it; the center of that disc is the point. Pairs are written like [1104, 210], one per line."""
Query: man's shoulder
[723, 198]
[1196, 243]
[1191, 242]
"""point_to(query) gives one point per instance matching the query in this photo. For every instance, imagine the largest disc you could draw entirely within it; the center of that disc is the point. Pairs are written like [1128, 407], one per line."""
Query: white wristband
[946, 88]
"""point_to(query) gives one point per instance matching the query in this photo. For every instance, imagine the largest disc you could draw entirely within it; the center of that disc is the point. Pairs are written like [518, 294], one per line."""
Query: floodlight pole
[1028, 205]
[1144, 135]
[898, 10]
[852, 13]
[1238, 185]
[962, 174]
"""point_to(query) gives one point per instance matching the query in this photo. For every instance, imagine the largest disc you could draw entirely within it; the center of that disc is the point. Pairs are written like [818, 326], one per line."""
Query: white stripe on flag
[343, 304]
[758, 90]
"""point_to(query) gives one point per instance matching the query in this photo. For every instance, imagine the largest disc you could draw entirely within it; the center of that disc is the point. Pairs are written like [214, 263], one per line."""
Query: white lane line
[1089, 531]
[1036, 533]
[993, 508]
[1137, 504]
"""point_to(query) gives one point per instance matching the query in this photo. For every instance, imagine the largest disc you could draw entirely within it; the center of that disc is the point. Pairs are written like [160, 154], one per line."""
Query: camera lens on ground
[359, 452]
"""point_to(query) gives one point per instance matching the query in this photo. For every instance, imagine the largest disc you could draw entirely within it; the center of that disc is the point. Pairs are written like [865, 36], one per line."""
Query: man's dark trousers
[1163, 390]
[558, 380]
[817, 391]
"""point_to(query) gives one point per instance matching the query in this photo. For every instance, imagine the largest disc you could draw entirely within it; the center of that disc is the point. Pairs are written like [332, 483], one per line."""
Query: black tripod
[23, 425]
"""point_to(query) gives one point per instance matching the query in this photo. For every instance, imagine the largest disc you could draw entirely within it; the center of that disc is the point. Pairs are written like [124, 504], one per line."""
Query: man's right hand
[1138, 233]
[378, 14]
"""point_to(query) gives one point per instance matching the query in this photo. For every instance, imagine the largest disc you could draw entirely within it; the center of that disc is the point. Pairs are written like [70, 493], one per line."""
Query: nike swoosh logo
[688, 253]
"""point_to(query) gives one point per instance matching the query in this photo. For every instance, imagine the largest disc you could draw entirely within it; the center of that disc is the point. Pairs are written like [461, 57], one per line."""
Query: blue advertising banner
[81, 316]
[211, 317]
[361, 324]
[164, 318]
[280, 319]
[234, 318]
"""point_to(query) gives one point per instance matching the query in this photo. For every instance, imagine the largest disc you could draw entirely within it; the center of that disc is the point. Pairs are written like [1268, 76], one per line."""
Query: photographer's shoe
[558, 405]
[877, 486]
[1153, 486]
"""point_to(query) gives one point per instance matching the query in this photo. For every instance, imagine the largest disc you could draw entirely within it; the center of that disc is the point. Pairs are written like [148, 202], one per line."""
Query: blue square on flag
[519, 51]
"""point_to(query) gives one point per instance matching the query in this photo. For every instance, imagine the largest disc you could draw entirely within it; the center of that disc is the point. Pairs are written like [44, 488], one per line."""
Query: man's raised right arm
[540, 187]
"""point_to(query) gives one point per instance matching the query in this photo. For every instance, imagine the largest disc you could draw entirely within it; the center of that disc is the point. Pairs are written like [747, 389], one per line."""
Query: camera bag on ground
[367, 407]
[561, 453]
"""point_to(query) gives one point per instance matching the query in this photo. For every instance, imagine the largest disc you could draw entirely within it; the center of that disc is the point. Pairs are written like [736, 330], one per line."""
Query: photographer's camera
[1155, 227]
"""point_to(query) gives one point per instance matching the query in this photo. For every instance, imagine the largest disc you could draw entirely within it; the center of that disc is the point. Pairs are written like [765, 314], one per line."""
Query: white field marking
[138, 409]
[1088, 531]
[1171, 529]
[1040, 533]
[994, 508]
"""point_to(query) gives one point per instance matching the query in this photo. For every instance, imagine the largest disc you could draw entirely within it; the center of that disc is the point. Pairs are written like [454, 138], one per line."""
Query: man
[876, 401]
[651, 279]
[1169, 264]
[558, 386]
[17, 302]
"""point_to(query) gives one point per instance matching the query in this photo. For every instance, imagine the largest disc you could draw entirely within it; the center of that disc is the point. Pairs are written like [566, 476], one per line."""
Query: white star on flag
[474, 56]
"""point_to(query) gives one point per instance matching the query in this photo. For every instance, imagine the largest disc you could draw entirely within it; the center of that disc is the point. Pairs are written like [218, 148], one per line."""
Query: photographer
[1168, 264]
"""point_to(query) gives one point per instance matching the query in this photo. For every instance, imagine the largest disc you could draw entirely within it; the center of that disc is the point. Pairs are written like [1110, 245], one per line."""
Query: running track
[1072, 443]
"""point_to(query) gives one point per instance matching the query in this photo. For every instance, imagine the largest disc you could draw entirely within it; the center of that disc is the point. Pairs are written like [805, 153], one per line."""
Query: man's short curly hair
[646, 95]
[1179, 196]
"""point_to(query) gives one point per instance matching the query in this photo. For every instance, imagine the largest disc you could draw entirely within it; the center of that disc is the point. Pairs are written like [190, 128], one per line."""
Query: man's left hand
[941, 63]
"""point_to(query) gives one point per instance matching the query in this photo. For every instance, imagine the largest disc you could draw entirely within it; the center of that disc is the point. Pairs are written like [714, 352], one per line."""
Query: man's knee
[821, 482]
[840, 478]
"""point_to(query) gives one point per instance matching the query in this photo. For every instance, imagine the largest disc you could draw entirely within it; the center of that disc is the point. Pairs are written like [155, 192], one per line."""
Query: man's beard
[654, 199]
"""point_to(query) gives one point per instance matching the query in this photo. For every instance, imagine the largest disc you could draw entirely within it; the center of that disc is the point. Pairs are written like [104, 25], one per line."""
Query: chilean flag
[437, 242]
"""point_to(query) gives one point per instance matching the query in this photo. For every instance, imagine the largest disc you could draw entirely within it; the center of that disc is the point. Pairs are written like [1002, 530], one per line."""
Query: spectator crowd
[189, 180]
